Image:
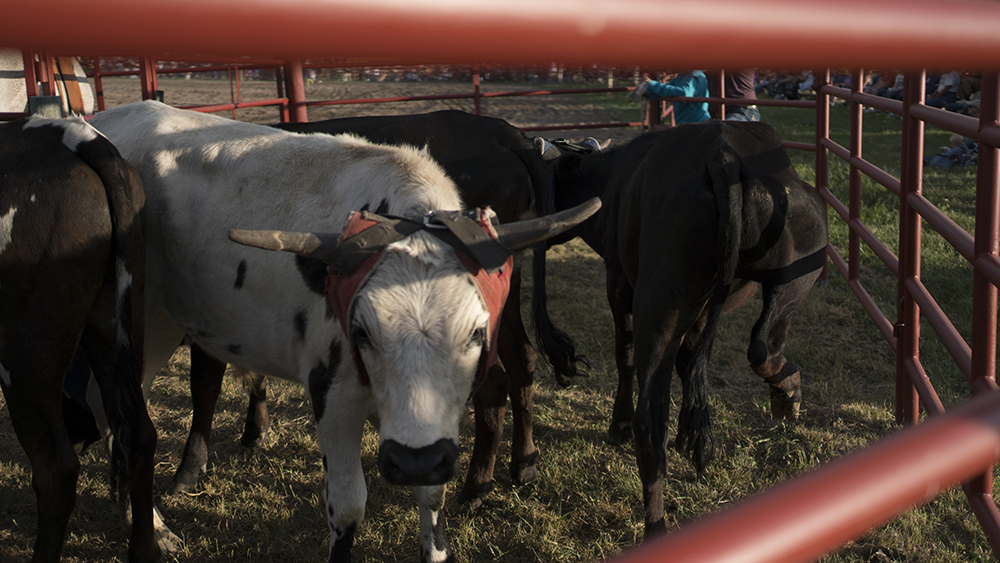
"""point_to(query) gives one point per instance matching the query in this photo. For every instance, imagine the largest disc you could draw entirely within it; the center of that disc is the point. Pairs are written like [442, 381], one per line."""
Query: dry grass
[264, 505]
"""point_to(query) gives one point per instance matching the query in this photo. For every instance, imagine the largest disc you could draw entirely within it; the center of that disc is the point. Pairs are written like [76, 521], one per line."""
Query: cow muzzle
[435, 464]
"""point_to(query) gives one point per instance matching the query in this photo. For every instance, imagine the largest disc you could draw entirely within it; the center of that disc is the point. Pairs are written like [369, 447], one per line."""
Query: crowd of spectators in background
[953, 91]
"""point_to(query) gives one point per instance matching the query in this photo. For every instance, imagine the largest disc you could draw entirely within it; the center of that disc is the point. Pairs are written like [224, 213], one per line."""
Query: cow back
[492, 162]
[206, 175]
[728, 180]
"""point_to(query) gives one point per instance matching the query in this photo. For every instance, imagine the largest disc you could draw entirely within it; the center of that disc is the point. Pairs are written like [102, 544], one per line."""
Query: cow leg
[620, 297]
[694, 426]
[434, 546]
[257, 421]
[206, 384]
[133, 456]
[655, 352]
[514, 375]
[33, 399]
[672, 288]
[340, 420]
[489, 408]
[767, 345]
[163, 337]
[659, 334]
[519, 358]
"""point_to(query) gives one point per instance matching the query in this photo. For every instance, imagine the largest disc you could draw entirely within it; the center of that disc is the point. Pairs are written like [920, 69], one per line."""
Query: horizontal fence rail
[709, 34]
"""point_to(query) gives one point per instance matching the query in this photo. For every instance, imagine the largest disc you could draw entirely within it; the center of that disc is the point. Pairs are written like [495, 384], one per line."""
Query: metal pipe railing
[813, 514]
[852, 494]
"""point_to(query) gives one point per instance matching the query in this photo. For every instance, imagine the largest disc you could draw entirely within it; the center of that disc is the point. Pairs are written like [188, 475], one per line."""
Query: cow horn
[310, 245]
[522, 234]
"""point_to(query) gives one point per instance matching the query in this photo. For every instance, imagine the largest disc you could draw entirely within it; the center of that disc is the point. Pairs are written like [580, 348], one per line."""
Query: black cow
[493, 164]
[71, 274]
[694, 218]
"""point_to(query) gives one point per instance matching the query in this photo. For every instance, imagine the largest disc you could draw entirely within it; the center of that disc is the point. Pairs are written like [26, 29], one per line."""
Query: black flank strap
[791, 272]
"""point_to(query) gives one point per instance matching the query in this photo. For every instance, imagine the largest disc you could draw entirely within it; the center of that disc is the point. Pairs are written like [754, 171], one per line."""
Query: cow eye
[478, 337]
[359, 336]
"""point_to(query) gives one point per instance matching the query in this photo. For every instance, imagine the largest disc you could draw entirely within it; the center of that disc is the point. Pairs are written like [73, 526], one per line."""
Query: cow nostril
[391, 471]
[426, 466]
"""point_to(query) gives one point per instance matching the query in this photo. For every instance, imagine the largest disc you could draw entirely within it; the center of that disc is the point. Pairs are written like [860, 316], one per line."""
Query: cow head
[420, 310]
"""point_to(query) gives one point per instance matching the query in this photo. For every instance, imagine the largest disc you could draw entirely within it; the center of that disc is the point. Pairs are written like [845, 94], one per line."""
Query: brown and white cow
[72, 238]
[418, 322]
[493, 164]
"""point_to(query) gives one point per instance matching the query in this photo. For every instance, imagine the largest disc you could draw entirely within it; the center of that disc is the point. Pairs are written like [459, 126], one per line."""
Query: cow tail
[554, 343]
[125, 408]
[727, 182]
[728, 187]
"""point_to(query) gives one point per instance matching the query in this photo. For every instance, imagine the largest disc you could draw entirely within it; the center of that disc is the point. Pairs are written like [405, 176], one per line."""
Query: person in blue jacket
[688, 84]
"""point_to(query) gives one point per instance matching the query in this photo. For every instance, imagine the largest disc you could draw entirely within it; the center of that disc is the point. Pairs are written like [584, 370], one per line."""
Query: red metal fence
[858, 491]
[294, 107]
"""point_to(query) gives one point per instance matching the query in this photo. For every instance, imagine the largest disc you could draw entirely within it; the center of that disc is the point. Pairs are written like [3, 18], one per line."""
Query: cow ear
[515, 236]
[309, 245]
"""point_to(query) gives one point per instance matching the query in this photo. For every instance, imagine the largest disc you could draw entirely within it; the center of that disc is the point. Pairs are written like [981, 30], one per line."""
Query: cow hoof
[786, 405]
[471, 498]
[526, 470]
[449, 557]
[167, 540]
[619, 434]
[251, 440]
[787, 411]
[176, 486]
[472, 505]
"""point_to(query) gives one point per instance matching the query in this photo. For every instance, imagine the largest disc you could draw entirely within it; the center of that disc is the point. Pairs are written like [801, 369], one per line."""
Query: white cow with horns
[413, 300]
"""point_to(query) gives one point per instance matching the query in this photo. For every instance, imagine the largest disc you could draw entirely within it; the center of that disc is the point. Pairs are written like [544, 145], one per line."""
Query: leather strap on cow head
[470, 233]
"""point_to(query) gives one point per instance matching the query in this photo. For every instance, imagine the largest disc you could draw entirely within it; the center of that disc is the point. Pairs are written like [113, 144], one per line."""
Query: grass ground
[265, 505]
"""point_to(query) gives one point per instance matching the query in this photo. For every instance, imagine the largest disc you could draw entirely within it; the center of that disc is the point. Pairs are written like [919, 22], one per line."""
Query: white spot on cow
[6, 228]
[124, 283]
[5, 375]
[75, 130]
[32, 198]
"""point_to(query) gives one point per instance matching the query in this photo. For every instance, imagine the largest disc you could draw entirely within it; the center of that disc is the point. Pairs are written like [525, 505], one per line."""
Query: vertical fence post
[45, 73]
[987, 239]
[147, 75]
[854, 182]
[722, 94]
[296, 92]
[233, 70]
[907, 330]
[822, 180]
[30, 76]
[984, 293]
[475, 91]
[279, 79]
[98, 83]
